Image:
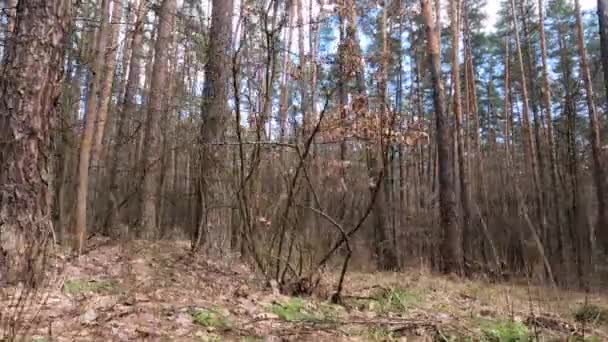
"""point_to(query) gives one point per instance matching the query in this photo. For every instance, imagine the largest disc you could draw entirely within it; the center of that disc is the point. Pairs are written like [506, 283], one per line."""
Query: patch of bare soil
[144, 291]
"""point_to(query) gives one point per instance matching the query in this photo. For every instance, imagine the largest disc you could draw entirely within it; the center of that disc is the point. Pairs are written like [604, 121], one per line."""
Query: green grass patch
[297, 309]
[79, 286]
[396, 300]
[39, 339]
[210, 319]
[505, 331]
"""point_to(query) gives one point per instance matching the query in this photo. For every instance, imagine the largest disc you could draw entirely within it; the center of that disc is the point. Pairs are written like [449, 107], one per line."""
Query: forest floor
[159, 292]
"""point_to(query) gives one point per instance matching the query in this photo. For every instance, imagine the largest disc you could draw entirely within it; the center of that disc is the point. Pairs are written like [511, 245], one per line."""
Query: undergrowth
[591, 313]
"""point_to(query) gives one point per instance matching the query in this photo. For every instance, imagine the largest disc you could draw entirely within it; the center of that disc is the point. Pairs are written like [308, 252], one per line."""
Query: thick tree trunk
[215, 96]
[215, 92]
[151, 158]
[451, 245]
[29, 90]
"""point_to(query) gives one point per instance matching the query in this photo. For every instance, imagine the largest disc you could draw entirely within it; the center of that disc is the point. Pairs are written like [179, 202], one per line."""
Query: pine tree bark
[599, 174]
[462, 162]
[215, 91]
[451, 245]
[86, 141]
[215, 96]
[30, 93]
[151, 154]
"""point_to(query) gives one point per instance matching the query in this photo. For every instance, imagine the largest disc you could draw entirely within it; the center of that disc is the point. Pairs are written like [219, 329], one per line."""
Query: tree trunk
[527, 130]
[30, 91]
[387, 257]
[105, 93]
[602, 14]
[451, 246]
[89, 128]
[285, 88]
[462, 164]
[125, 115]
[215, 91]
[599, 174]
[151, 158]
[546, 97]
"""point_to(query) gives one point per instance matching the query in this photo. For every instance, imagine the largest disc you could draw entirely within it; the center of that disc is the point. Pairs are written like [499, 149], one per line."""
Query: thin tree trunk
[527, 130]
[599, 174]
[125, 115]
[105, 94]
[602, 15]
[304, 99]
[286, 76]
[546, 96]
[89, 129]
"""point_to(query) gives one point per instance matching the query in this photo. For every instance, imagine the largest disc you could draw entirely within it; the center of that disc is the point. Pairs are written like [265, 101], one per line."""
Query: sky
[493, 5]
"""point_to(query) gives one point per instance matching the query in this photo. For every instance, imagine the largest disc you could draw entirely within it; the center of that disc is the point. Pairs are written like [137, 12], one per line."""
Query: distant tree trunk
[595, 128]
[451, 246]
[527, 129]
[30, 90]
[531, 66]
[602, 14]
[86, 141]
[546, 97]
[151, 158]
[304, 99]
[11, 17]
[285, 88]
[126, 113]
[387, 257]
[105, 93]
